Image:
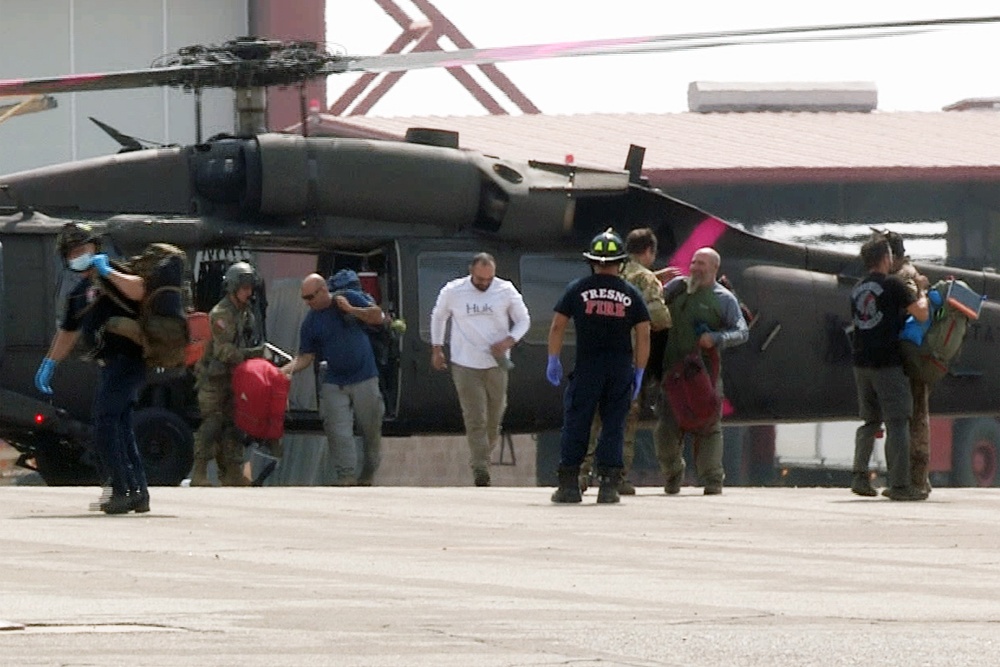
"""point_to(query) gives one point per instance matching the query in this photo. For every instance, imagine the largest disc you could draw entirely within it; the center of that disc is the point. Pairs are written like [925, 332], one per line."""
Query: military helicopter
[408, 216]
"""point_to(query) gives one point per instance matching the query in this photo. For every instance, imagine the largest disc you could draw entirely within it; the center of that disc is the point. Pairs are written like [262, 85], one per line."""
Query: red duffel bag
[690, 390]
[260, 398]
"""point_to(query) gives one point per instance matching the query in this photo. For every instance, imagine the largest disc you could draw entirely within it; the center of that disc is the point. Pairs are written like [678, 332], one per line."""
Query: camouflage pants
[920, 433]
[668, 439]
[628, 448]
[217, 437]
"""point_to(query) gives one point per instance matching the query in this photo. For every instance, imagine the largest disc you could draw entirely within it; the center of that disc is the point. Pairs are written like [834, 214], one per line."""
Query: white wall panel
[56, 37]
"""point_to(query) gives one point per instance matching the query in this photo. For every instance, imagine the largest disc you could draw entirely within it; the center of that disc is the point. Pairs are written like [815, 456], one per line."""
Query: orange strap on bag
[199, 332]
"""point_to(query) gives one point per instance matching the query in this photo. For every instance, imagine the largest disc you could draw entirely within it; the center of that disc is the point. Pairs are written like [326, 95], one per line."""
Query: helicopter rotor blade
[143, 78]
[251, 63]
[650, 44]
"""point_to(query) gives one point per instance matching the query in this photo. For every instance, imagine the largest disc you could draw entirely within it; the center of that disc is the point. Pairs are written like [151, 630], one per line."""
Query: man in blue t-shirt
[332, 331]
[606, 310]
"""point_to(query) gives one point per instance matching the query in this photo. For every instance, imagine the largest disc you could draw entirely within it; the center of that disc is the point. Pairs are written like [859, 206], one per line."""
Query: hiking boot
[626, 488]
[713, 489]
[906, 493]
[861, 485]
[234, 477]
[139, 501]
[367, 476]
[117, 505]
[569, 486]
[199, 474]
[481, 477]
[608, 482]
[673, 486]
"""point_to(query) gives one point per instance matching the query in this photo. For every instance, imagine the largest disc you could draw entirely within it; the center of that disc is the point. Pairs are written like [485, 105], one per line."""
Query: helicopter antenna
[303, 109]
[197, 115]
[126, 141]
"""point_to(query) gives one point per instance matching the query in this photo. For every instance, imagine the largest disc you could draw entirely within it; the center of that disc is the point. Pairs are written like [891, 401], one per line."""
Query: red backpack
[690, 390]
[260, 398]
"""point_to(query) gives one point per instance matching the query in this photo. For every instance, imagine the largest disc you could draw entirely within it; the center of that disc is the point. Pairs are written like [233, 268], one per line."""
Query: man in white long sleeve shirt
[488, 317]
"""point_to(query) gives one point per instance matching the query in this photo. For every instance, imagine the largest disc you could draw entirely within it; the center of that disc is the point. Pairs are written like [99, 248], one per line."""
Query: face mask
[82, 262]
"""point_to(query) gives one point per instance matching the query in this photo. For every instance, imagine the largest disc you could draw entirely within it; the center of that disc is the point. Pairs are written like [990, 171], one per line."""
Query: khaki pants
[482, 393]
[668, 439]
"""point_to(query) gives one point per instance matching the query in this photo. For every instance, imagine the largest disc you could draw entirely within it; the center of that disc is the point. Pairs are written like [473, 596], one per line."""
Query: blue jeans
[114, 435]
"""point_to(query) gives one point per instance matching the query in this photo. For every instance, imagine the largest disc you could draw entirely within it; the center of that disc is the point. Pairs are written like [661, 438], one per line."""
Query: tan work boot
[233, 476]
[199, 474]
[920, 479]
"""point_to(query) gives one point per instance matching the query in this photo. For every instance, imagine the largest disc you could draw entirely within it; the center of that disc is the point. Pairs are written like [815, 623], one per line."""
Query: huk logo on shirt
[606, 302]
[478, 309]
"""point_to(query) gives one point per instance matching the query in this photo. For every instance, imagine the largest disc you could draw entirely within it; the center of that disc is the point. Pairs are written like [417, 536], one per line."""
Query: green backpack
[160, 326]
[930, 361]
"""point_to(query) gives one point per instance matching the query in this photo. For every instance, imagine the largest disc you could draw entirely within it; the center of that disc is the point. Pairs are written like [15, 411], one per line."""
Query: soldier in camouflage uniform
[235, 338]
[641, 245]
[920, 423]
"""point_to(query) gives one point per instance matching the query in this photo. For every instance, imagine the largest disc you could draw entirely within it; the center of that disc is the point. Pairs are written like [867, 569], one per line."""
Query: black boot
[608, 479]
[569, 486]
[861, 484]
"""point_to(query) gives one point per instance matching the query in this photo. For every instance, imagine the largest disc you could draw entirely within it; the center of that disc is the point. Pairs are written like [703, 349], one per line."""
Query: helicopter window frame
[435, 269]
[544, 278]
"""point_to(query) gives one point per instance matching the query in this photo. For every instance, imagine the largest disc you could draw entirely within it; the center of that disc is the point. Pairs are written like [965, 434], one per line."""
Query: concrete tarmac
[500, 577]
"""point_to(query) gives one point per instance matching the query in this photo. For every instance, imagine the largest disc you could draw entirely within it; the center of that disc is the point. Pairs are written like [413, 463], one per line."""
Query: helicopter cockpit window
[434, 269]
[543, 281]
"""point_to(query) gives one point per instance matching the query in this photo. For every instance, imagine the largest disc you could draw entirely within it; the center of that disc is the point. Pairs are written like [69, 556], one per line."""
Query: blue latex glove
[637, 387]
[44, 375]
[554, 370]
[935, 298]
[100, 263]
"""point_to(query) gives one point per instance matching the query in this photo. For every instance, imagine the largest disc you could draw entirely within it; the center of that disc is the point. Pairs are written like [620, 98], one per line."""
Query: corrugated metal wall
[55, 37]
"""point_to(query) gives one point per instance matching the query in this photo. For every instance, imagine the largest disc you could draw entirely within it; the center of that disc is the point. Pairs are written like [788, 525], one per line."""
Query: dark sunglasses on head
[310, 297]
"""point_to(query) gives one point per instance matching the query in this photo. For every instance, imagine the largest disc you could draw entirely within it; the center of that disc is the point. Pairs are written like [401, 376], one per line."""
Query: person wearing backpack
[706, 320]
[879, 302]
[86, 313]
[332, 331]
[346, 283]
[920, 422]
[235, 338]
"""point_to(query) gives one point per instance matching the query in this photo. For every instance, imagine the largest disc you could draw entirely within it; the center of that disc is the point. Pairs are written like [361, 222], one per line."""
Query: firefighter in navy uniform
[101, 294]
[608, 372]
[235, 338]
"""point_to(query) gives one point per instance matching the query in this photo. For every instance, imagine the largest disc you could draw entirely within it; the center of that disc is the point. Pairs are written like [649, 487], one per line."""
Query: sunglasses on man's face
[310, 297]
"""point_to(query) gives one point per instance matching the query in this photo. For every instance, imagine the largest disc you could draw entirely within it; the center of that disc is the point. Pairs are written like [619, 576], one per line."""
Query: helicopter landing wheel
[166, 444]
[976, 454]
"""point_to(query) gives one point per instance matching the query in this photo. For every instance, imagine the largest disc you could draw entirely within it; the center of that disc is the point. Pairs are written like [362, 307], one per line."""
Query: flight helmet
[239, 275]
[74, 234]
[606, 247]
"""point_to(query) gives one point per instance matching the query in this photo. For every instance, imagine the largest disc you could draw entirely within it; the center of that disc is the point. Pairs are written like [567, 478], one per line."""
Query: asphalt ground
[500, 576]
